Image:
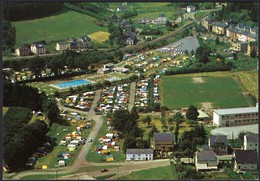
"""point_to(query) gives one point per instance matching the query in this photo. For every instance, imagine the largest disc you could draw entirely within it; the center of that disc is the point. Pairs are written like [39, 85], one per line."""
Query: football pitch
[207, 92]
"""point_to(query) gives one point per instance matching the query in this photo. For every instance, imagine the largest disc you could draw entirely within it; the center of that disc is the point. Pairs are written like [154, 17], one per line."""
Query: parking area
[235, 130]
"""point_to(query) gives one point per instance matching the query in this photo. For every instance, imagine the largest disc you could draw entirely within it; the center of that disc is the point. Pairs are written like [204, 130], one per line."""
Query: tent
[44, 166]
[110, 158]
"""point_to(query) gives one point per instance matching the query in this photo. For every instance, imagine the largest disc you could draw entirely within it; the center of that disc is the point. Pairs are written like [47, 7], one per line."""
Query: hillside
[58, 27]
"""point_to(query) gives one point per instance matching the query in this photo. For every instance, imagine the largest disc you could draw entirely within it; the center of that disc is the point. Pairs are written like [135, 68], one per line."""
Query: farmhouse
[121, 9]
[219, 144]
[61, 46]
[22, 51]
[190, 9]
[251, 142]
[206, 160]
[38, 48]
[245, 160]
[130, 38]
[235, 116]
[161, 19]
[114, 18]
[139, 154]
[219, 28]
[163, 144]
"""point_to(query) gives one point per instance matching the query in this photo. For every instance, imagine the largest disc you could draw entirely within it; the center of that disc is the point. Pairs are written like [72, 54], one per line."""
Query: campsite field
[208, 91]
[93, 156]
[58, 27]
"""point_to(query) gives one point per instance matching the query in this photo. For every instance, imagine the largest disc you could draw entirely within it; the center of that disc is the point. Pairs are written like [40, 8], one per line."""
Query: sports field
[208, 92]
[58, 27]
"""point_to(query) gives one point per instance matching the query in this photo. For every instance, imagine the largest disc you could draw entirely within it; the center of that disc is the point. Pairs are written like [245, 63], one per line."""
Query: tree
[192, 113]
[129, 142]
[51, 110]
[147, 120]
[152, 131]
[36, 65]
[192, 52]
[217, 41]
[178, 118]
[176, 132]
[253, 53]
[235, 56]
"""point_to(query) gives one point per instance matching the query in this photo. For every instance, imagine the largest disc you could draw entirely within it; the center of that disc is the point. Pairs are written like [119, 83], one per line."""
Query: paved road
[132, 96]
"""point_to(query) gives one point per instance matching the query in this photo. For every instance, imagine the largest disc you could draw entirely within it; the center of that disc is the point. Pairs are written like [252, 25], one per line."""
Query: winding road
[120, 168]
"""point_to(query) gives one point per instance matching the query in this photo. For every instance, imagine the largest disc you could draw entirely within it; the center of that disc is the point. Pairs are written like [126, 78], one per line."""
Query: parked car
[104, 170]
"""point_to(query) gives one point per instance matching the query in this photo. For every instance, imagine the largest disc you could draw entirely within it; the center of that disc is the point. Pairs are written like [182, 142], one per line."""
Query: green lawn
[182, 91]
[58, 27]
[93, 156]
[43, 86]
[161, 173]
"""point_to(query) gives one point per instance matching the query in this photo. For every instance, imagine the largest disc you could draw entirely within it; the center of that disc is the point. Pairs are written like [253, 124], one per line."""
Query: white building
[38, 48]
[251, 142]
[139, 154]
[235, 116]
[61, 46]
[190, 8]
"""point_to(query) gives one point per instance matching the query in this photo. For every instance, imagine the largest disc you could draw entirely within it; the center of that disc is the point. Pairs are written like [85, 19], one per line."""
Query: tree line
[14, 11]
[24, 143]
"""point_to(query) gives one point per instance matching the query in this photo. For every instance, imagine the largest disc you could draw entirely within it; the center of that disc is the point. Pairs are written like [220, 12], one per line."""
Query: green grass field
[58, 27]
[161, 173]
[220, 92]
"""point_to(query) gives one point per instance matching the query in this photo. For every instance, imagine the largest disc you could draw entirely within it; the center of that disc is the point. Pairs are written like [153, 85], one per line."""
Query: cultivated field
[202, 90]
[99, 36]
[58, 27]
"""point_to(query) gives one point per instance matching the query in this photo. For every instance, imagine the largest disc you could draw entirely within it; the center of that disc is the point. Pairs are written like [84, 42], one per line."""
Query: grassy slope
[161, 173]
[62, 26]
[181, 92]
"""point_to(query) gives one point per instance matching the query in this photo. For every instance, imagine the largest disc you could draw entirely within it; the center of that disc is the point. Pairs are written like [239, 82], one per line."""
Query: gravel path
[132, 96]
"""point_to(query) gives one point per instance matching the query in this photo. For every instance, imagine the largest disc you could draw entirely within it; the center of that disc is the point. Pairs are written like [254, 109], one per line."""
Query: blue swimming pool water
[73, 83]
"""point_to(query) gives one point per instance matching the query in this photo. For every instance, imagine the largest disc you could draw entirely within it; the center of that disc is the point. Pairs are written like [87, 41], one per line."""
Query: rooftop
[206, 155]
[139, 151]
[246, 156]
[236, 110]
[252, 137]
[163, 137]
[218, 139]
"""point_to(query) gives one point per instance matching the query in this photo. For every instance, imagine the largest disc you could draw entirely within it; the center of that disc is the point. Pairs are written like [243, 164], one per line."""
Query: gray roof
[190, 6]
[236, 110]
[252, 137]
[163, 137]
[85, 38]
[61, 42]
[206, 155]
[218, 139]
[246, 156]
[162, 15]
[220, 24]
[139, 151]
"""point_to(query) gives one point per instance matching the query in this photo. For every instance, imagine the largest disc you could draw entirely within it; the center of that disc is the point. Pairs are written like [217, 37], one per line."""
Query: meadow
[220, 92]
[163, 173]
[58, 27]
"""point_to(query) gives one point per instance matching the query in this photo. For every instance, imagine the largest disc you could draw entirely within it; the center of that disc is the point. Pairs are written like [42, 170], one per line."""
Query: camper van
[71, 146]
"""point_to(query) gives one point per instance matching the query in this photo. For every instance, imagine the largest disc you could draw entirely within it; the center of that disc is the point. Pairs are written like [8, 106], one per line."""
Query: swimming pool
[73, 83]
